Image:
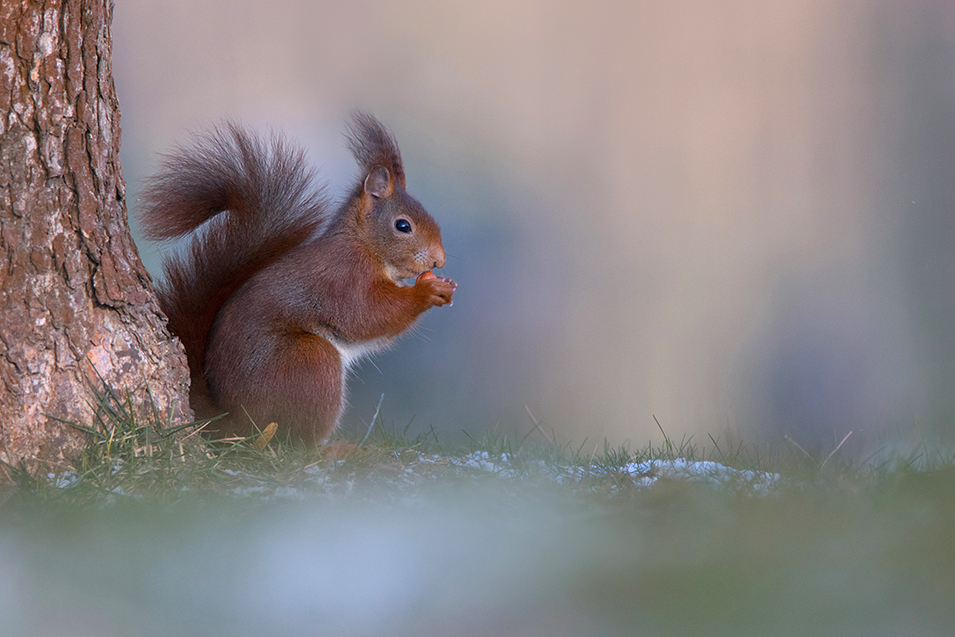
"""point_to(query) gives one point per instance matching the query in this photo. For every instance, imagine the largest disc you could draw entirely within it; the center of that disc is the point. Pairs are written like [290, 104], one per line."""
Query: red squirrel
[278, 295]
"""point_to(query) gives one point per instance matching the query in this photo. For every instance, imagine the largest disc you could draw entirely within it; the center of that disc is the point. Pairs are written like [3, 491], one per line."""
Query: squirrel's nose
[437, 254]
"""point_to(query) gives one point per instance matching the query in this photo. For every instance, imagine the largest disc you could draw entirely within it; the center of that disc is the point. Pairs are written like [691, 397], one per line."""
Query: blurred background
[736, 217]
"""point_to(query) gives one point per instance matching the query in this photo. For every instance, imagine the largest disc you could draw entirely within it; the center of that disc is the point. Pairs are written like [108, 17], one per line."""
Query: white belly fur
[352, 353]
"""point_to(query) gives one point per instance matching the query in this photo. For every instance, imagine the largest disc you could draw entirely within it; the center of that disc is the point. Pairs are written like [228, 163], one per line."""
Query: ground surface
[397, 537]
[384, 535]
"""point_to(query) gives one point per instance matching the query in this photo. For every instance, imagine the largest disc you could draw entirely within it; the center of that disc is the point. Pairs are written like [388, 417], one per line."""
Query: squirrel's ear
[378, 183]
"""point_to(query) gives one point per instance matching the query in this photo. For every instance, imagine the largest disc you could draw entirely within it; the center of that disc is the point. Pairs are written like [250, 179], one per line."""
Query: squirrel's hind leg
[298, 386]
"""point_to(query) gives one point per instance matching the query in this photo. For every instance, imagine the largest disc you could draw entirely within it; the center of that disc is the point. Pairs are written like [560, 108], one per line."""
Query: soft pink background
[734, 216]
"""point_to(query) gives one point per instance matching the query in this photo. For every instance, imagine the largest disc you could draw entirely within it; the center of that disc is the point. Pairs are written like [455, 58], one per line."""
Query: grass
[156, 531]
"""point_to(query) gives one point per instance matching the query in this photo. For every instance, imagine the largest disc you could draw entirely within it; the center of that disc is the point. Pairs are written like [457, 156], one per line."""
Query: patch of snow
[644, 474]
[699, 471]
[63, 480]
[479, 460]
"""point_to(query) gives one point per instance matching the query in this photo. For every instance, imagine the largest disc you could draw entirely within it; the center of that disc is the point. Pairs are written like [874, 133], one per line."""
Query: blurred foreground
[490, 551]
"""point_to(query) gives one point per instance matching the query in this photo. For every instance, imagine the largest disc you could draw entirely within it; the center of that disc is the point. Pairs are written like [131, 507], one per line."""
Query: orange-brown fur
[264, 302]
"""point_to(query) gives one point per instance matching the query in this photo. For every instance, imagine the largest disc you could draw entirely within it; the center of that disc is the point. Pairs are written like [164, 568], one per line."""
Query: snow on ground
[644, 474]
[337, 479]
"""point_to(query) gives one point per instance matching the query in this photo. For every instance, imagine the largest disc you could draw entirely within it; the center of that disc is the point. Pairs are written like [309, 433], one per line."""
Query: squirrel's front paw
[439, 289]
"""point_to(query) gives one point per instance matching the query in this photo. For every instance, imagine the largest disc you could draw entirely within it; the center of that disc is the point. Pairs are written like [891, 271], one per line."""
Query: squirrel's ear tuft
[372, 145]
[378, 183]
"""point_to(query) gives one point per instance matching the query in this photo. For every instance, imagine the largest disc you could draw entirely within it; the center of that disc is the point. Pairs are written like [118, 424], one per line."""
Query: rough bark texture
[76, 301]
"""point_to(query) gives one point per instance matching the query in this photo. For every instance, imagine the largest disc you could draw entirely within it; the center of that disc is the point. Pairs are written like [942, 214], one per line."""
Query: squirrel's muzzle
[437, 257]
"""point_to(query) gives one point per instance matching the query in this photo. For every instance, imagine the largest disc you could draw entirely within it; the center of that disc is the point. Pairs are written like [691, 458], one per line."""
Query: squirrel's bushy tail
[249, 201]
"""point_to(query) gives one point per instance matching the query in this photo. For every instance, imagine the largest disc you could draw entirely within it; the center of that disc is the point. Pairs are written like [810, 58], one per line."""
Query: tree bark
[77, 304]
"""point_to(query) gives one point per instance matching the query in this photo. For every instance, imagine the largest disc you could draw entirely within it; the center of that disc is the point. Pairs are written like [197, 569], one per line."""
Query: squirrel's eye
[402, 225]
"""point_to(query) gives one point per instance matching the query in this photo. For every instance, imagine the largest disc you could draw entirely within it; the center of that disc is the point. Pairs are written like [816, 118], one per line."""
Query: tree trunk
[77, 305]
